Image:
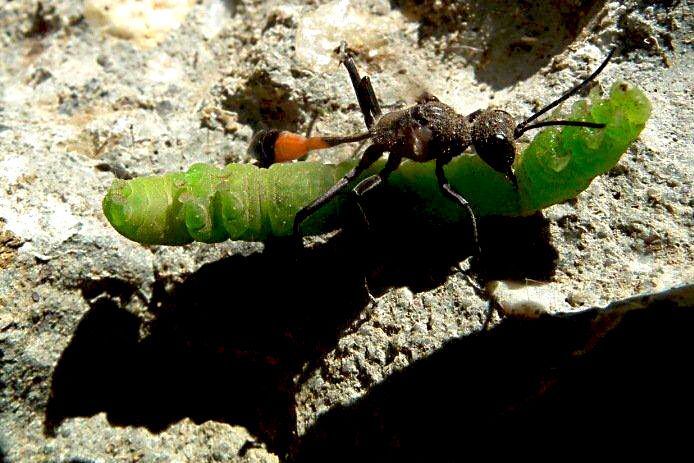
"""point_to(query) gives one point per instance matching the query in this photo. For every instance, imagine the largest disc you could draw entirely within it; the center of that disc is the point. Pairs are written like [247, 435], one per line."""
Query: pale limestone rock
[146, 23]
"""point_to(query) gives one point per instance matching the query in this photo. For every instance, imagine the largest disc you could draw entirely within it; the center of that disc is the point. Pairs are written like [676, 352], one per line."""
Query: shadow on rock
[225, 345]
[263, 103]
[404, 250]
[231, 342]
[509, 41]
[568, 383]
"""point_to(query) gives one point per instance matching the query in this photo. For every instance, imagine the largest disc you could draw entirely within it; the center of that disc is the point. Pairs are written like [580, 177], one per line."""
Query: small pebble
[527, 299]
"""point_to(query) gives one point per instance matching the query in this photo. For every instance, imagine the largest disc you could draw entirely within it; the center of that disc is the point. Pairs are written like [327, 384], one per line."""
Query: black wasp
[428, 130]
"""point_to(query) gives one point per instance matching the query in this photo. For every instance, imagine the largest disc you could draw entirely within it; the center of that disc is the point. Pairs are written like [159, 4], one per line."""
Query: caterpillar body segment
[245, 202]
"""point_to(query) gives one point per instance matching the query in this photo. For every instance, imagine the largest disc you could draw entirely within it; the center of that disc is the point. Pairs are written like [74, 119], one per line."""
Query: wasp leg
[448, 191]
[362, 87]
[358, 148]
[370, 156]
[367, 88]
[359, 191]
[374, 181]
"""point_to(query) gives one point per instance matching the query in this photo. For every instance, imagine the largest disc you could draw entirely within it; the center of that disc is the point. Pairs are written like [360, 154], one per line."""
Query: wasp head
[492, 136]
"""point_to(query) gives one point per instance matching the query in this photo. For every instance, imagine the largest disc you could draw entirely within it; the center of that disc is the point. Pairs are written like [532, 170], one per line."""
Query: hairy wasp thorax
[492, 135]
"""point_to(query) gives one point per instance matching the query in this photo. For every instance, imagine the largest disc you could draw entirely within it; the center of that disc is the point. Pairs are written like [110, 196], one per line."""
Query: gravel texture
[113, 351]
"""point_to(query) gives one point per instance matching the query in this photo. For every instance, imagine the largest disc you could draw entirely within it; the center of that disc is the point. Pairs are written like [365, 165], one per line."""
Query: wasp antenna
[523, 126]
[593, 125]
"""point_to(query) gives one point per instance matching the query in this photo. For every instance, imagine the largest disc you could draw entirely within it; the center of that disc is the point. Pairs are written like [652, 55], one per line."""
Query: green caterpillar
[244, 202]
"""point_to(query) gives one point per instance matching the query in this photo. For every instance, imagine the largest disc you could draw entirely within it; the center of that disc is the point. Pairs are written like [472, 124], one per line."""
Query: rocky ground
[113, 351]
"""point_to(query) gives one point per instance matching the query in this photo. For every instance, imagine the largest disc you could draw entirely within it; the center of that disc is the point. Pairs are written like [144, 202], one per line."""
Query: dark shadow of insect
[521, 387]
[222, 345]
[429, 130]
[235, 341]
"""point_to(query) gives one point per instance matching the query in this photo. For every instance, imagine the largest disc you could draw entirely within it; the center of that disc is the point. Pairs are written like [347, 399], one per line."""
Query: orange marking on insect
[290, 146]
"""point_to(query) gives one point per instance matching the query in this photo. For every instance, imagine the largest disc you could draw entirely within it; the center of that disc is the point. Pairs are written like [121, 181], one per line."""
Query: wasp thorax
[492, 135]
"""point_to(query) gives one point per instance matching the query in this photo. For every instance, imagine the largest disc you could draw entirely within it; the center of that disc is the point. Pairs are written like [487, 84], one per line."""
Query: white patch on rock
[45, 348]
[644, 264]
[144, 22]
[79, 73]
[11, 168]
[215, 15]
[52, 222]
[162, 68]
[527, 299]
[321, 31]
[16, 95]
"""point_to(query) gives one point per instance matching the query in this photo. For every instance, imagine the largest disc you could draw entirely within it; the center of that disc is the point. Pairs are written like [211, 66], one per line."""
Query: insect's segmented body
[246, 202]
[426, 131]
[212, 204]
[430, 130]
